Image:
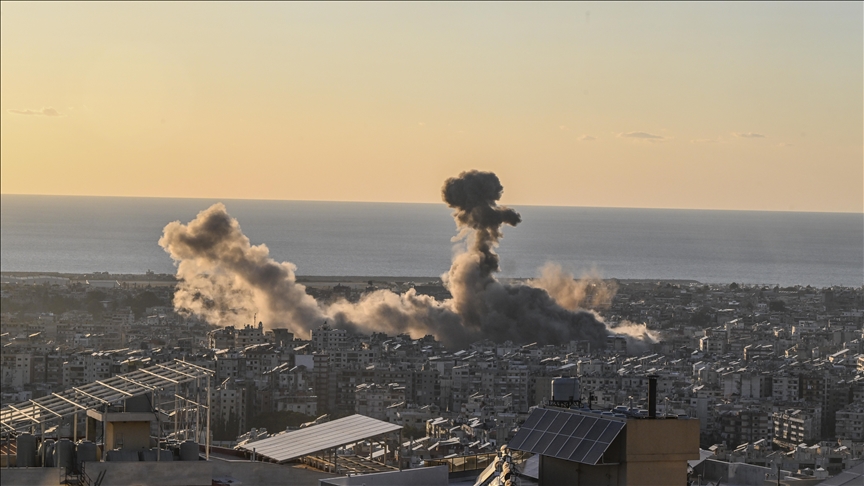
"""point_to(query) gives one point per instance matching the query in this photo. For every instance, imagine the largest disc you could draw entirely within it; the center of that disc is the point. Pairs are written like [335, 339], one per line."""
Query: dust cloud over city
[226, 280]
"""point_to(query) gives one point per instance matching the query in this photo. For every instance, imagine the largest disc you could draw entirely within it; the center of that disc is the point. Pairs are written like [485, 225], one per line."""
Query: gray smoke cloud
[226, 280]
[474, 197]
[639, 337]
[589, 292]
[391, 313]
[502, 312]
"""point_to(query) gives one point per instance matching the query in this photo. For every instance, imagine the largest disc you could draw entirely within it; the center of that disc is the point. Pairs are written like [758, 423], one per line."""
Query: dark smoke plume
[502, 312]
[474, 196]
[225, 280]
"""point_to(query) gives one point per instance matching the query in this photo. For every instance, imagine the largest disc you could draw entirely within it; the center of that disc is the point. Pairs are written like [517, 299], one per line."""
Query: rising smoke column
[474, 197]
[226, 280]
[502, 312]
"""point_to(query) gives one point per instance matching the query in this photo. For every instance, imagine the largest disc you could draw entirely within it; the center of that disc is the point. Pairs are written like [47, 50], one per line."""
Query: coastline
[355, 281]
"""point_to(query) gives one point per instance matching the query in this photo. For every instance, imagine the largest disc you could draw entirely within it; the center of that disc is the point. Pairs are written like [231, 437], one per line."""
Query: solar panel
[595, 431]
[595, 453]
[556, 445]
[571, 425]
[567, 434]
[581, 451]
[558, 423]
[519, 438]
[545, 421]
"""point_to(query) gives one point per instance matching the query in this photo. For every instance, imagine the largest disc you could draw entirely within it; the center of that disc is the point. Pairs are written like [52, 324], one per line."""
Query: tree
[277, 421]
[413, 432]
[227, 429]
[777, 306]
[701, 317]
[140, 302]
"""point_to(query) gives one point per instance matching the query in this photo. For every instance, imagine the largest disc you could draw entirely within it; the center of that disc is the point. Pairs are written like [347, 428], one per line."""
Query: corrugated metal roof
[292, 445]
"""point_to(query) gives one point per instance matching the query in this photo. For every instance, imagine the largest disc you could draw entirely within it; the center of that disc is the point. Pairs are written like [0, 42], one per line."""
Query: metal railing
[472, 462]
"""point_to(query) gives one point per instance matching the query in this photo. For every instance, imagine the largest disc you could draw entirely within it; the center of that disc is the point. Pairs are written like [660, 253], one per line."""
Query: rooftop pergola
[51, 409]
[318, 439]
[288, 446]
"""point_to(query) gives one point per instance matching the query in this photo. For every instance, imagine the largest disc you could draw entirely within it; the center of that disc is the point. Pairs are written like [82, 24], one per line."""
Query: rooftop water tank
[140, 403]
[87, 452]
[150, 455]
[122, 455]
[46, 453]
[64, 454]
[26, 446]
[189, 451]
[565, 389]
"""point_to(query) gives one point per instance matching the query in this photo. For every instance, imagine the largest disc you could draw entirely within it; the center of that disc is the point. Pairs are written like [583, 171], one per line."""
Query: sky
[746, 106]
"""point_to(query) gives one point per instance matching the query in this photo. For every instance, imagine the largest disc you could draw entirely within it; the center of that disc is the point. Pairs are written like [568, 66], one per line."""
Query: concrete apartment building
[740, 392]
[850, 422]
[797, 426]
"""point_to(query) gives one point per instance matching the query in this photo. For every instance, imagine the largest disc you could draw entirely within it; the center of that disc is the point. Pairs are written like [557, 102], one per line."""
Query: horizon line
[861, 212]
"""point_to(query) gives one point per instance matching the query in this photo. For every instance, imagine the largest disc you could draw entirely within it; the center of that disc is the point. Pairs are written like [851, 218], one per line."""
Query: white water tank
[565, 389]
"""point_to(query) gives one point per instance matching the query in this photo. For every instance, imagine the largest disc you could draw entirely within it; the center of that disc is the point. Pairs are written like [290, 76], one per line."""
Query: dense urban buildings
[774, 375]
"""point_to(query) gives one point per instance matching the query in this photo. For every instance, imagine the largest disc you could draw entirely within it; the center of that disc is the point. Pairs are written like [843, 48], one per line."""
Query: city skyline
[700, 106]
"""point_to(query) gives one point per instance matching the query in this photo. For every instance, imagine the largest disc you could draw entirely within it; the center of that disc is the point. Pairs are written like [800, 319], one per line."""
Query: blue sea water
[120, 235]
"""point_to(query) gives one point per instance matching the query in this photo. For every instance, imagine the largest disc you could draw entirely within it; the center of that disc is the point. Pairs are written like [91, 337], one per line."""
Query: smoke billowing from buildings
[474, 197]
[498, 311]
[225, 280]
[589, 292]
[638, 336]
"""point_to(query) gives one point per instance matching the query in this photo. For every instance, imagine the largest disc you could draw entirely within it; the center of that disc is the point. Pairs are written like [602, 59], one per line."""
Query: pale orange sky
[682, 105]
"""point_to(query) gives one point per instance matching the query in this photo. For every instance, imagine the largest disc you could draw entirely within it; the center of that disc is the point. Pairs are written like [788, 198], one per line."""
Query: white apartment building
[850, 422]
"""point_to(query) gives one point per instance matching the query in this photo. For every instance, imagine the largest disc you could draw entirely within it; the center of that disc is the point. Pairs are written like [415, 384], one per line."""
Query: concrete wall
[657, 451]
[555, 471]
[134, 435]
[424, 476]
[198, 473]
[151, 473]
[31, 476]
[265, 473]
[734, 472]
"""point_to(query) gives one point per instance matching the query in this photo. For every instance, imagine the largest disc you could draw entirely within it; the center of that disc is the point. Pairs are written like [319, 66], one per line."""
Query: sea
[76, 234]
